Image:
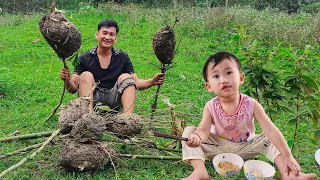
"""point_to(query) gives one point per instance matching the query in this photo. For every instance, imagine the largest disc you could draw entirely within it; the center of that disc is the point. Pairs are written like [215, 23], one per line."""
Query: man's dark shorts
[112, 97]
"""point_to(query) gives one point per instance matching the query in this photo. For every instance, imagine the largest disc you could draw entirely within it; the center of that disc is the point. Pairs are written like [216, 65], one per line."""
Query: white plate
[317, 156]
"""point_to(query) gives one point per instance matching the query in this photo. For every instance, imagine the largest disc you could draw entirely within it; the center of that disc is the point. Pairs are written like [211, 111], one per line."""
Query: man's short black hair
[108, 23]
[216, 59]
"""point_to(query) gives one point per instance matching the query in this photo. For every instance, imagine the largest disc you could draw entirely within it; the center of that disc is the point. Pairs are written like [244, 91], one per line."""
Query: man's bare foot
[301, 176]
[198, 174]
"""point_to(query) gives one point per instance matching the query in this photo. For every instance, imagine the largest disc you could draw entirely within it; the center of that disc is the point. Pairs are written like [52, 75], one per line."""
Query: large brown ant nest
[164, 44]
[76, 156]
[90, 127]
[63, 36]
[71, 113]
[125, 125]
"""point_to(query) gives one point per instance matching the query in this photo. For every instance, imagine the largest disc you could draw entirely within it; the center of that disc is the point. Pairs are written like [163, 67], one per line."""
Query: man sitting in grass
[113, 70]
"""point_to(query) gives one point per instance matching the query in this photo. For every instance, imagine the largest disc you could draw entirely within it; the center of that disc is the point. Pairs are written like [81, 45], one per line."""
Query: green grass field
[30, 86]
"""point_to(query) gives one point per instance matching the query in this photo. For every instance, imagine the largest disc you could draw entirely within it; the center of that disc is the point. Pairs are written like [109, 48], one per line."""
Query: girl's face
[224, 79]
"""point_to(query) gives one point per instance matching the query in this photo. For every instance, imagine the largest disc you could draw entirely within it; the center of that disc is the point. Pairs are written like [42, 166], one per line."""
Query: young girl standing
[228, 120]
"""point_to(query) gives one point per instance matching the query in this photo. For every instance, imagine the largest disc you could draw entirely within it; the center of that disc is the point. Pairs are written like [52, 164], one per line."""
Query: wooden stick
[53, 6]
[59, 104]
[27, 136]
[92, 89]
[154, 105]
[158, 134]
[150, 157]
[31, 156]
[63, 91]
[109, 155]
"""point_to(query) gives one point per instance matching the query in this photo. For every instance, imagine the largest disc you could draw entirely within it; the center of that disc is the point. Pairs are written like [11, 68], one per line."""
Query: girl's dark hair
[216, 59]
[108, 23]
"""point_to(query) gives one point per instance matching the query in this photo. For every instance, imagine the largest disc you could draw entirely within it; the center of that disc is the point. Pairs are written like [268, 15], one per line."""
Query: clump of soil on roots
[164, 44]
[63, 36]
[73, 112]
[76, 156]
[125, 125]
[90, 127]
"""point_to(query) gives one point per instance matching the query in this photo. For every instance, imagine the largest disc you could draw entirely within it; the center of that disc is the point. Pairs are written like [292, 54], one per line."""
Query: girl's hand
[193, 140]
[291, 165]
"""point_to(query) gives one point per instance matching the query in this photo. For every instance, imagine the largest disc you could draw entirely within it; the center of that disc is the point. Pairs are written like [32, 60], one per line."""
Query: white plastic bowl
[267, 171]
[317, 156]
[227, 157]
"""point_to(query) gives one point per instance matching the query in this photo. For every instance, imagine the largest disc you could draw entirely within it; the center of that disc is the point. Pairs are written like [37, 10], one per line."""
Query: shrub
[311, 8]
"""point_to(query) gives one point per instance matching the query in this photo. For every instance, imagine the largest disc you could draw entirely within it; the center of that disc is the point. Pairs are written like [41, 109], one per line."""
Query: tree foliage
[29, 6]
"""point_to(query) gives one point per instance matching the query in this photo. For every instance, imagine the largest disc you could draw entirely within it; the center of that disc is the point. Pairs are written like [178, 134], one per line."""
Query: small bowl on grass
[258, 170]
[227, 164]
[317, 156]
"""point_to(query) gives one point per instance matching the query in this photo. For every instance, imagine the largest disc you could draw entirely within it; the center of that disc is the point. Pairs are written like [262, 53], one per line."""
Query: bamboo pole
[150, 146]
[168, 149]
[150, 157]
[19, 151]
[28, 148]
[31, 156]
[27, 136]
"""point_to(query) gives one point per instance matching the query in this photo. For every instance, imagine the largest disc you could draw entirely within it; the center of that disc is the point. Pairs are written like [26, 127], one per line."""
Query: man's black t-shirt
[120, 63]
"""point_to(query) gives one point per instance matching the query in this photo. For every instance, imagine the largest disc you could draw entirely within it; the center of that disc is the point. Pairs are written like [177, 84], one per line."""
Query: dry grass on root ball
[72, 113]
[164, 44]
[76, 156]
[63, 36]
[90, 127]
[125, 125]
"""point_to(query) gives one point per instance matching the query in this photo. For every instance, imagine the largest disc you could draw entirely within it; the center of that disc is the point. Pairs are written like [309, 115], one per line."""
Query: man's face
[106, 37]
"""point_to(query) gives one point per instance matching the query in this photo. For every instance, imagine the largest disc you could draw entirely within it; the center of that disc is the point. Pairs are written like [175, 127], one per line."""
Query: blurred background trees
[289, 6]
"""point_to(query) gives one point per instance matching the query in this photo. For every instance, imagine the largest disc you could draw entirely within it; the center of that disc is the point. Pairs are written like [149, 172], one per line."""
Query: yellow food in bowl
[228, 166]
[256, 174]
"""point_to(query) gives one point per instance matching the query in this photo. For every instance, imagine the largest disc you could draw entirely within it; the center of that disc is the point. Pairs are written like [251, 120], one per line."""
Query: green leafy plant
[304, 92]
[262, 82]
